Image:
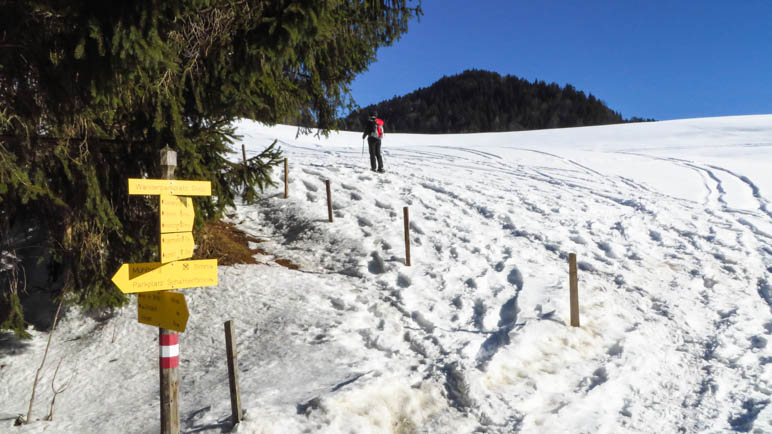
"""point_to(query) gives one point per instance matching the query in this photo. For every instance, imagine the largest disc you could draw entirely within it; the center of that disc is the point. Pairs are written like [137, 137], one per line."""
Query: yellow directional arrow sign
[163, 309]
[170, 186]
[175, 246]
[177, 214]
[155, 276]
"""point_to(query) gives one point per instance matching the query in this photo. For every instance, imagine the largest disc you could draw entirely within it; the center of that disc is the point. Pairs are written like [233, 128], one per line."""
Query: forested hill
[482, 101]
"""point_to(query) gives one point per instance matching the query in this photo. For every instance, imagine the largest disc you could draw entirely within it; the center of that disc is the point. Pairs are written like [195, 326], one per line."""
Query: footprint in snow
[478, 314]
[310, 187]
[453, 253]
[376, 265]
[415, 228]
[578, 240]
[422, 322]
[599, 376]
[758, 342]
[616, 350]
[507, 319]
[515, 277]
[607, 249]
[337, 303]
[508, 313]
[403, 281]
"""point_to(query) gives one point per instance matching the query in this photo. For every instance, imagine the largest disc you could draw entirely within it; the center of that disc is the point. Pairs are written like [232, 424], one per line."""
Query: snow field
[670, 224]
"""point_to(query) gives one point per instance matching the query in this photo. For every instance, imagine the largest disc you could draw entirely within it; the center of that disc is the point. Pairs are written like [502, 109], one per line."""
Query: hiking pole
[363, 148]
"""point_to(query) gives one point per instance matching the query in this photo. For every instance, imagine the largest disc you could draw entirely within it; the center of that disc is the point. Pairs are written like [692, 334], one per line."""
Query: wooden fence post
[329, 200]
[286, 179]
[244, 156]
[407, 236]
[169, 340]
[573, 279]
[233, 372]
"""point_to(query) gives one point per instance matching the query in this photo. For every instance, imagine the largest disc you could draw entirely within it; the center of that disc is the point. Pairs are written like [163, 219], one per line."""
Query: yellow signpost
[156, 276]
[176, 246]
[163, 309]
[177, 214]
[176, 223]
[155, 306]
[169, 186]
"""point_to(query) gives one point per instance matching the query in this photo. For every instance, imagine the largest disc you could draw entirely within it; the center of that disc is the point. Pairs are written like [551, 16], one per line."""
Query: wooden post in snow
[286, 179]
[233, 372]
[169, 340]
[573, 280]
[329, 200]
[407, 236]
[244, 157]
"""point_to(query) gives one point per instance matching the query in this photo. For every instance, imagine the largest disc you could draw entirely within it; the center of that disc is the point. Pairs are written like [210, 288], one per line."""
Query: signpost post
[167, 339]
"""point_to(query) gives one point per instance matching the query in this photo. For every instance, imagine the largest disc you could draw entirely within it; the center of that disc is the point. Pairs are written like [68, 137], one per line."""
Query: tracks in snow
[485, 252]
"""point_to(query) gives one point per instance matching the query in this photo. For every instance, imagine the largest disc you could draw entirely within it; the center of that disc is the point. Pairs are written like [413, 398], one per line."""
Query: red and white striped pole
[169, 361]
[170, 350]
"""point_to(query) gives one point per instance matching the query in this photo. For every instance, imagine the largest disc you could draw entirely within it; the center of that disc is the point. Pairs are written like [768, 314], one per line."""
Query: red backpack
[379, 128]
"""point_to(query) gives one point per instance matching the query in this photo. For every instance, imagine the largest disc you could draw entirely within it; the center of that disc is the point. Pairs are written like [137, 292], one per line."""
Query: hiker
[374, 134]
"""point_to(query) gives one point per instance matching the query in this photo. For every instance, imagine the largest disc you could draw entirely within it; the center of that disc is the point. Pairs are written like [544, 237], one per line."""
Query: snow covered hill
[671, 223]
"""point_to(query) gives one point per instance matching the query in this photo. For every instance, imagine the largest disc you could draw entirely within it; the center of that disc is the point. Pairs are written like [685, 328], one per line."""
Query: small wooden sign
[163, 309]
[169, 186]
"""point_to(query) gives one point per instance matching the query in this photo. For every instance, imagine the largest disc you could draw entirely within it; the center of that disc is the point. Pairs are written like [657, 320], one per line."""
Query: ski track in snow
[675, 301]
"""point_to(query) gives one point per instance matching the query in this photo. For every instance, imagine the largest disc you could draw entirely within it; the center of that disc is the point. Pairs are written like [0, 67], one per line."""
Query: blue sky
[654, 59]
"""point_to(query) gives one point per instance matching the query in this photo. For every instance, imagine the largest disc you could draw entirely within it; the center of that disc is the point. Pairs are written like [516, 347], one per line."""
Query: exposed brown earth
[230, 246]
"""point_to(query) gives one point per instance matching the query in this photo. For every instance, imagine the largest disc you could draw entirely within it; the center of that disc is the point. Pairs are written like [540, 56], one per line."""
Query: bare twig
[45, 354]
[57, 391]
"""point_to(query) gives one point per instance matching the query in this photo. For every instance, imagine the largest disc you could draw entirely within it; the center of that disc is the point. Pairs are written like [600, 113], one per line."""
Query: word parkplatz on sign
[156, 276]
[175, 271]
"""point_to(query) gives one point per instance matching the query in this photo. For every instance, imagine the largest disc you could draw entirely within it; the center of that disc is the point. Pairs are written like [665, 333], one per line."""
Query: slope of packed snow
[671, 224]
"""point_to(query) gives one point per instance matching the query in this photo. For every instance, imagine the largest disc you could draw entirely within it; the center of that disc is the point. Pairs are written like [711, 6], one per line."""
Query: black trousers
[374, 146]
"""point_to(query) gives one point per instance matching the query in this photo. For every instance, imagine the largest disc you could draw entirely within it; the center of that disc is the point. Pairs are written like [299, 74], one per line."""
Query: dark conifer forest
[482, 101]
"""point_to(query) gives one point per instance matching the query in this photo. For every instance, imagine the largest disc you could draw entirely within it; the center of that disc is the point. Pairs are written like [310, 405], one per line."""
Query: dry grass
[230, 246]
